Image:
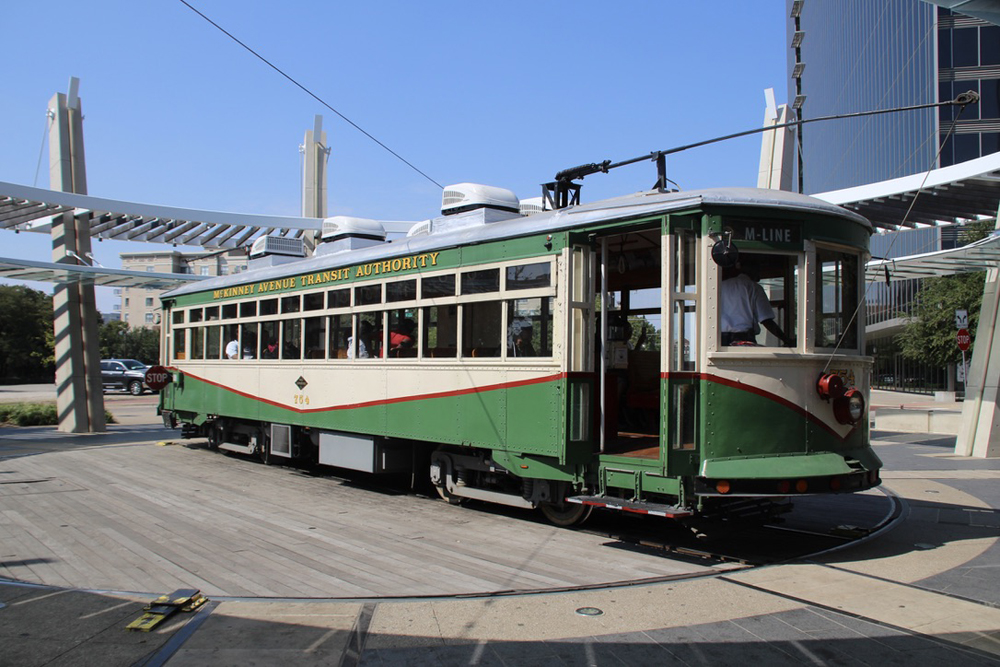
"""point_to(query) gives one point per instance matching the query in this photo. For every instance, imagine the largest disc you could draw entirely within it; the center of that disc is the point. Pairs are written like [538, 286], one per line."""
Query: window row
[482, 281]
[512, 328]
[769, 290]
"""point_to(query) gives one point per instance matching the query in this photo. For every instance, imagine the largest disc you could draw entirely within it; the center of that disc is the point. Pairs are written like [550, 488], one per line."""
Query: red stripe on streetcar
[388, 401]
[708, 377]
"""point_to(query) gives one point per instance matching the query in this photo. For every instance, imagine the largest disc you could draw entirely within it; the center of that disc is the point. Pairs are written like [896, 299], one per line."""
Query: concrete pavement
[923, 593]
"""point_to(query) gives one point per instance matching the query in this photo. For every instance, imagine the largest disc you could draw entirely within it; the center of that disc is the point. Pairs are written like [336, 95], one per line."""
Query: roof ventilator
[469, 205]
[274, 250]
[344, 232]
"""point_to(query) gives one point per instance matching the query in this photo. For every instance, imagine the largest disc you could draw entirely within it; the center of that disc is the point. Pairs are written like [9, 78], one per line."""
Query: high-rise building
[848, 56]
[140, 306]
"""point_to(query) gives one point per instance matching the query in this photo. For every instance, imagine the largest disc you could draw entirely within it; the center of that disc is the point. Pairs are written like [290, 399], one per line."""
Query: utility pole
[79, 391]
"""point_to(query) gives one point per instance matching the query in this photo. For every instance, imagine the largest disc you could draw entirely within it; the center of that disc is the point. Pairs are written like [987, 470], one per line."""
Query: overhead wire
[49, 115]
[310, 93]
[888, 252]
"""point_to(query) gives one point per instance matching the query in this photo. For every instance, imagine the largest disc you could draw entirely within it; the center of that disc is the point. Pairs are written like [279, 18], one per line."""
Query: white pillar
[79, 392]
[314, 175]
[979, 432]
[776, 147]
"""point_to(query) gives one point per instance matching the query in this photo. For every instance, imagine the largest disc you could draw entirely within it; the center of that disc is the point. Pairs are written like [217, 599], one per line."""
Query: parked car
[124, 375]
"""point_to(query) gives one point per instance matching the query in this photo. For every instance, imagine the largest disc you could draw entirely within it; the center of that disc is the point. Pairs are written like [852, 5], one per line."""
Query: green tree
[119, 341]
[930, 330]
[27, 342]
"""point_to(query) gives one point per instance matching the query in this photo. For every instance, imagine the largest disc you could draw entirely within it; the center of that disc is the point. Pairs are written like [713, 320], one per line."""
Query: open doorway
[633, 305]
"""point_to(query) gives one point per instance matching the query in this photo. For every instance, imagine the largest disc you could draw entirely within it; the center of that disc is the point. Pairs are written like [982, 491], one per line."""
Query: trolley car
[561, 360]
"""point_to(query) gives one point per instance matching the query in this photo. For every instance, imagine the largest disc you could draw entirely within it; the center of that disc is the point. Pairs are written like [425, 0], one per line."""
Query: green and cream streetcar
[562, 360]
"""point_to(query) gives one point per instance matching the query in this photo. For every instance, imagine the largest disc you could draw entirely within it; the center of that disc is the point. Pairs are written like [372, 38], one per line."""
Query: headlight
[849, 408]
[856, 406]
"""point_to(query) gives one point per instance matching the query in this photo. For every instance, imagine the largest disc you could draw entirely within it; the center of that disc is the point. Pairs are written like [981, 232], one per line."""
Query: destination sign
[769, 233]
[388, 266]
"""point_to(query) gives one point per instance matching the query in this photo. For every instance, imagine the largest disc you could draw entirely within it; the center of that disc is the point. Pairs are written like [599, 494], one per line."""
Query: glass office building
[848, 56]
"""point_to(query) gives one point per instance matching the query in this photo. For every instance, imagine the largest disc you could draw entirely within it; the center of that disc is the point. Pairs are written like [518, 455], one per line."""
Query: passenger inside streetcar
[743, 308]
[403, 338]
[521, 334]
[363, 348]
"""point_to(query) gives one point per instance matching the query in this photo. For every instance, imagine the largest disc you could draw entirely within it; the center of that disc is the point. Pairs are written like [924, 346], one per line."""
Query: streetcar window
[212, 313]
[213, 342]
[291, 304]
[268, 340]
[402, 333]
[230, 333]
[404, 290]
[198, 343]
[340, 334]
[529, 276]
[180, 343]
[440, 335]
[480, 328]
[248, 341]
[197, 315]
[684, 406]
[771, 282]
[315, 345]
[437, 286]
[248, 309]
[836, 299]
[178, 317]
[685, 328]
[367, 295]
[529, 327]
[291, 337]
[338, 298]
[481, 282]
[367, 341]
[686, 264]
[312, 301]
[229, 311]
[269, 307]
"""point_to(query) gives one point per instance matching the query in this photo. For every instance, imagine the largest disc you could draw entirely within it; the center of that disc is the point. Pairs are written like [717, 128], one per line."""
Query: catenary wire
[41, 149]
[864, 300]
[311, 94]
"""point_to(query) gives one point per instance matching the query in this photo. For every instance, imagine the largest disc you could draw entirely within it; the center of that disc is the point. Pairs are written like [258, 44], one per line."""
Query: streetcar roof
[637, 205]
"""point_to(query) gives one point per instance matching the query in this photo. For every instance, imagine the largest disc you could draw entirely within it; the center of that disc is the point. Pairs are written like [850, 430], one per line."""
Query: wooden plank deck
[117, 512]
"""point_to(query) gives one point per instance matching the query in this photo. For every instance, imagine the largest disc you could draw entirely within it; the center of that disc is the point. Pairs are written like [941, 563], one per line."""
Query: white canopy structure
[28, 209]
[978, 256]
[960, 193]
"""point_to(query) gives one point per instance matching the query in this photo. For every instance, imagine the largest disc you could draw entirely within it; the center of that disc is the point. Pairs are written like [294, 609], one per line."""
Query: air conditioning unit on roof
[277, 245]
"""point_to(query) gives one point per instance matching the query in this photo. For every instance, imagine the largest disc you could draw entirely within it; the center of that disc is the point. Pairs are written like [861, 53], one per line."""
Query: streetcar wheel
[135, 388]
[566, 514]
[445, 495]
[215, 436]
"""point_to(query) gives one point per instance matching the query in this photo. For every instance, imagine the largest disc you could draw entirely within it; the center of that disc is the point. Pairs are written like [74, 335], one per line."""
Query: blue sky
[500, 93]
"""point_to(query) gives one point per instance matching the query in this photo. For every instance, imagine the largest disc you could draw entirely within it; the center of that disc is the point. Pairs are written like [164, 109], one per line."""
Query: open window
[762, 287]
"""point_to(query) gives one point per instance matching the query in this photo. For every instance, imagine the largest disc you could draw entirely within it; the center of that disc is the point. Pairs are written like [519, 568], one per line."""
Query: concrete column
[314, 176]
[776, 156]
[979, 433]
[79, 393]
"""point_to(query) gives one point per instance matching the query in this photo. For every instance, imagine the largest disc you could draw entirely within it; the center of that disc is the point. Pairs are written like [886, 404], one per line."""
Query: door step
[637, 507]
